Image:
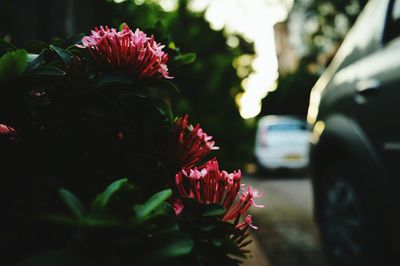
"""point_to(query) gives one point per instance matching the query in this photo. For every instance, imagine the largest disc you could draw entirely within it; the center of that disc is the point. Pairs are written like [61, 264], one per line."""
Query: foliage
[80, 126]
[209, 86]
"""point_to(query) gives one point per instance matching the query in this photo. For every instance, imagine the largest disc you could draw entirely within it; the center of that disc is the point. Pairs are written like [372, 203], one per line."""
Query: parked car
[355, 144]
[282, 142]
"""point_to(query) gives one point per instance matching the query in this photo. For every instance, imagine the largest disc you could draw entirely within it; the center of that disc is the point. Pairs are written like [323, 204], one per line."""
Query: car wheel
[348, 217]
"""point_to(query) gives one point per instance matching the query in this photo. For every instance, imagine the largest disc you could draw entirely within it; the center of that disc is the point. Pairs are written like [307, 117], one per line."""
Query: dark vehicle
[355, 145]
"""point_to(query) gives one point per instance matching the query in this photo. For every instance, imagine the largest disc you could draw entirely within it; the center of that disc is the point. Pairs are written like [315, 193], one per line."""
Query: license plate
[293, 157]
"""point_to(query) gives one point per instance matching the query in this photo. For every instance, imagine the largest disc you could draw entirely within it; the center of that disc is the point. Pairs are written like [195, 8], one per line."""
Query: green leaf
[73, 203]
[177, 245]
[73, 39]
[35, 46]
[87, 222]
[205, 226]
[172, 45]
[142, 211]
[185, 58]
[165, 85]
[166, 228]
[57, 42]
[63, 54]
[6, 47]
[57, 63]
[49, 71]
[164, 109]
[114, 79]
[103, 199]
[213, 210]
[96, 222]
[217, 241]
[35, 61]
[13, 64]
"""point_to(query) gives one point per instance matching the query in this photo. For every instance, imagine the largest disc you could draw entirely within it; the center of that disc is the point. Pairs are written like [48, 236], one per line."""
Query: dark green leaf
[87, 222]
[57, 42]
[164, 109]
[142, 92]
[103, 199]
[177, 245]
[161, 89]
[166, 208]
[73, 203]
[6, 47]
[13, 64]
[205, 226]
[166, 228]
[73, 40]
[49, 71]
[142, 211]
[165, 85]
[100, 222]
[63, 54]
[185, 58]
[213, 210]
[217, 241]
[35, 61]
[35, 46]
[114, 79]
[58, 63]
[195, 209]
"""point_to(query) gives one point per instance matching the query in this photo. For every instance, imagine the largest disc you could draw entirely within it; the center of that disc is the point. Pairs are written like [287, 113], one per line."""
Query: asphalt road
[287, 233]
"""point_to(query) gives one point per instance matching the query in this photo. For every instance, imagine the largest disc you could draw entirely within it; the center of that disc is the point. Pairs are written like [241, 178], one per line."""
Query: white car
[282, 142]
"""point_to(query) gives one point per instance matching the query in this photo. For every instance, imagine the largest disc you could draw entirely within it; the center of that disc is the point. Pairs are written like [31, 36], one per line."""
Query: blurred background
[254, 58]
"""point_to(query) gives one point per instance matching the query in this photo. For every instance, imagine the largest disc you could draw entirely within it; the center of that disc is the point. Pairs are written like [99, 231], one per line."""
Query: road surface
[287, 233]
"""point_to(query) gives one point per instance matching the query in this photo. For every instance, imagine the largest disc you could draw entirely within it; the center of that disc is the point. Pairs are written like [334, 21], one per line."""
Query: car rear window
[287, 127]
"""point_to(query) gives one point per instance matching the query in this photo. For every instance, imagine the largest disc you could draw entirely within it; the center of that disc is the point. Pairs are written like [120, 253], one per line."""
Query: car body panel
[354, 111]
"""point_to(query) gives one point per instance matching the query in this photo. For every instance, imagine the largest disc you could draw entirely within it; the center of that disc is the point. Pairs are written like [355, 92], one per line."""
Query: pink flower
[247, 222]
[206, 184]
[177, 205]
[192, 143]
[128, 51]
[7, 130]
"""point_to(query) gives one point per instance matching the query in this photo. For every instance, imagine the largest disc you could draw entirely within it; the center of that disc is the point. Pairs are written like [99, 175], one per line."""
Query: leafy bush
[85, 115]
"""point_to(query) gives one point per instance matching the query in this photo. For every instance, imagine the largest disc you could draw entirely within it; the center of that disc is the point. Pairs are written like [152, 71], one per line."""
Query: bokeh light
[254, 20]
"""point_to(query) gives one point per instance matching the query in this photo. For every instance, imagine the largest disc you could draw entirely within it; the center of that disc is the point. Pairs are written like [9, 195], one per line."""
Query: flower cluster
[207, 184]
[128, 51]
[192, 143]
[7, 130]
[110, 129]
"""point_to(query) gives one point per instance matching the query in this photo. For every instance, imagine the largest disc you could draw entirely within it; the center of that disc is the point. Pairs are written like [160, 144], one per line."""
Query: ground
[287, 234]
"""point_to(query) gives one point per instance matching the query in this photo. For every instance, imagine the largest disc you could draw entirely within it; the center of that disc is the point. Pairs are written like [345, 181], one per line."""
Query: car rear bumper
[276, 163]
